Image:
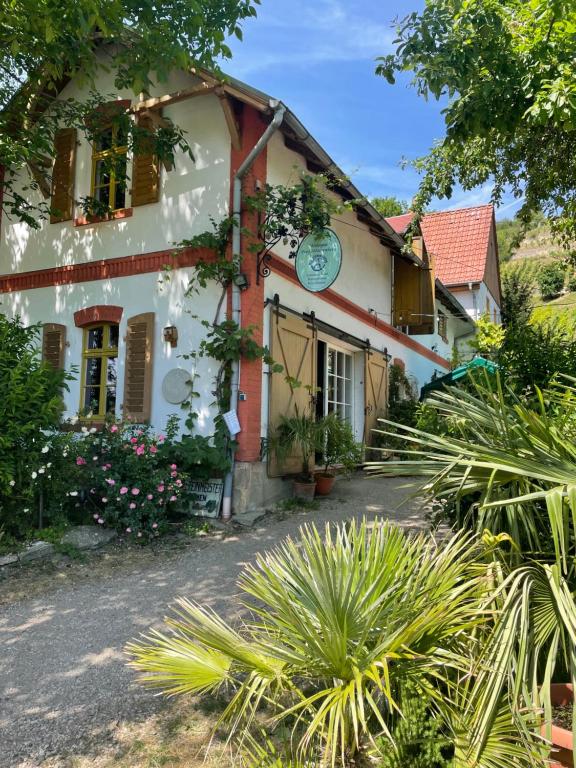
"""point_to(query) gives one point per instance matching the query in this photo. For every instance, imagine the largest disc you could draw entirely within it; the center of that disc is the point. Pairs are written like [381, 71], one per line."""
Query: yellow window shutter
[138, 371]
[375, 392]
[145, 171]
[53, 344]
[63, 171]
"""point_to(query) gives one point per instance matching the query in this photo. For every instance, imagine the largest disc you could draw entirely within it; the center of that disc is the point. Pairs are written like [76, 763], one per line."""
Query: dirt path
[63, 681]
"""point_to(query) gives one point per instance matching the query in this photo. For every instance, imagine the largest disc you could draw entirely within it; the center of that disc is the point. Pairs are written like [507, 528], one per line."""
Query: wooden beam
[230, 118]
[172, 98]
[156, 118]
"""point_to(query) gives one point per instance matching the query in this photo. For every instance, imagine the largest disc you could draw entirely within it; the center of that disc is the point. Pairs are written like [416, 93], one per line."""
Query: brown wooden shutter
[293, 345]
[53, 344]
[145, 171]
[427, 291]
[138, 369]
[63, 172]
[375, 392]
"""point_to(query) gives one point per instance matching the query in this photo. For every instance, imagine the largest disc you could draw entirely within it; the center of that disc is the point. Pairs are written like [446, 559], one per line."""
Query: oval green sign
[318, 260]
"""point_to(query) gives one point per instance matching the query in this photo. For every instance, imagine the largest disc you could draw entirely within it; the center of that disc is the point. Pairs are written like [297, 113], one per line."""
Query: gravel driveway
[63, 680]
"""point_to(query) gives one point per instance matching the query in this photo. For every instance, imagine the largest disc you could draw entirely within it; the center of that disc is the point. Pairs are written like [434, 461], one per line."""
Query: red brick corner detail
[101, 313]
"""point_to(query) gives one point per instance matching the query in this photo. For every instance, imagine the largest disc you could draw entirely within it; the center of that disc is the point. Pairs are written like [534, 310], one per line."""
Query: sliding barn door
[375, 392]
[293, 345]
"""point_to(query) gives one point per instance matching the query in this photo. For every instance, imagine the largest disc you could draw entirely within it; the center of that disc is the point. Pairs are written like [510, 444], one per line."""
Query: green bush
[551, 280]
[30, 403]
[572, 281]
[123, 477]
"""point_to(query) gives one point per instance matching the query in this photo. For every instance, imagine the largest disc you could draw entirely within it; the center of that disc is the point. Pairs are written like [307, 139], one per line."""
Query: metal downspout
[279, 112]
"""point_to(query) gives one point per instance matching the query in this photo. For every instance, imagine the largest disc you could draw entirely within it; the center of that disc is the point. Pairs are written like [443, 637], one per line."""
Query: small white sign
[231, 421]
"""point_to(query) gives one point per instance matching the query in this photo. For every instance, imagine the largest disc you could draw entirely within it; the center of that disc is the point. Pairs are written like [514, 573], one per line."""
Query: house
[111, 313]
[464, 248]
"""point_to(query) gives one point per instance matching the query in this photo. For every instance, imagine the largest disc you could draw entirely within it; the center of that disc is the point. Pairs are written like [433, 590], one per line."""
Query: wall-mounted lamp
[241, 280]
[171, 335]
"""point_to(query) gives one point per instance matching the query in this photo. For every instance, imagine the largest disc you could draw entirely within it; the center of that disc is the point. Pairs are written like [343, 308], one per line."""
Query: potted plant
[560, 733]
[298, 433]
[339, 448]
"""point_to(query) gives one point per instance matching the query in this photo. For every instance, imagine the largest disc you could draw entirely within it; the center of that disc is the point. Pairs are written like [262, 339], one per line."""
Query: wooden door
[375, 392]
[293, 345]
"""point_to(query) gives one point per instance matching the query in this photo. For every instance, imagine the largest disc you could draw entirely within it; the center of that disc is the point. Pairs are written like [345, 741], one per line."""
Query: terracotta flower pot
[563, 748]
[324, 483]
[303, 489]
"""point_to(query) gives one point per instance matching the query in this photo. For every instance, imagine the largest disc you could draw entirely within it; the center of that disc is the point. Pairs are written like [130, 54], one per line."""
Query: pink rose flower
[100, 521]
[140, 450]
[128, 530]
[110, 481]
[139, 432]
[179, 483]
[149, 497]
[96, 516]
[161, 438]
[160, 488]
[154, 525]
[133, 440]
[153, 449]
[173, 474]
[113, 428]
[80, 461]
[172, 498]
[132, 505]
[135, 491]
[173, 466]
[123, 490]
[108, 466]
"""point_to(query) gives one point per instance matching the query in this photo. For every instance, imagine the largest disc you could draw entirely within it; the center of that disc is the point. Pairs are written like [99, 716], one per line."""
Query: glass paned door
[338, 389]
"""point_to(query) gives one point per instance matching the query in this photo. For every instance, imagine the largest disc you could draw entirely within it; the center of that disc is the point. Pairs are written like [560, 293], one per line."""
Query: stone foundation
[254, 490]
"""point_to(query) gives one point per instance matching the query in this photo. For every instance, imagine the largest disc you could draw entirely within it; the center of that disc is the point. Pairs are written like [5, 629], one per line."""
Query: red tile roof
[458, 240]
[400, 223]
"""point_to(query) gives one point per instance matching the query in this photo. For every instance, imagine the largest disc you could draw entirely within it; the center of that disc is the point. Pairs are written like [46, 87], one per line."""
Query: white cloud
[305, 33]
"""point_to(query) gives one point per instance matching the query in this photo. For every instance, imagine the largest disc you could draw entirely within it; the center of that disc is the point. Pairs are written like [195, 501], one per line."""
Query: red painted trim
[282, 267]
[84, 221]
[124, 266]
[101, 313]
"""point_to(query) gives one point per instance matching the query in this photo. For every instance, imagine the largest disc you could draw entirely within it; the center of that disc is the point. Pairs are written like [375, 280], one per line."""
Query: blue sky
[317, 56]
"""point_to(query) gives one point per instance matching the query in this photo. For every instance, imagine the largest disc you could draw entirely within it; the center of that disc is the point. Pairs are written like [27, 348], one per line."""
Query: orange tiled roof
[457, 239]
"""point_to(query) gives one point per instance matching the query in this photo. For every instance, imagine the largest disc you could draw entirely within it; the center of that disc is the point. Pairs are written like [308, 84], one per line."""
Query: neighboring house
[98, 285]
[463, 246]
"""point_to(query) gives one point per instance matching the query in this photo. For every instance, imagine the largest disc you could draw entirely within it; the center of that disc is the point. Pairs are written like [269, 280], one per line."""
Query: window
[99, 368]
[443, 326]
[338, 387]
[109, 168]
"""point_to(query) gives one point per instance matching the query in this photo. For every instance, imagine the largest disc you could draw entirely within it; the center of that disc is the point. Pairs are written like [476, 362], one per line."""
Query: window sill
[86, 221]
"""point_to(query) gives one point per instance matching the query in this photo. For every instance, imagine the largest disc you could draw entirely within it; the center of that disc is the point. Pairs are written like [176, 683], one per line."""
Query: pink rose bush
[132, 484]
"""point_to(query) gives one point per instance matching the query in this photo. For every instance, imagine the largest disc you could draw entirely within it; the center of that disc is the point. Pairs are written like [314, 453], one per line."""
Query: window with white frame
[339, 381]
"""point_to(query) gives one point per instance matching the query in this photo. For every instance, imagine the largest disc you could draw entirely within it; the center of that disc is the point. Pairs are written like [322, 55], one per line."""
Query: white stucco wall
[190, 194]
[365, 277]
[474, 301]
[136, 294]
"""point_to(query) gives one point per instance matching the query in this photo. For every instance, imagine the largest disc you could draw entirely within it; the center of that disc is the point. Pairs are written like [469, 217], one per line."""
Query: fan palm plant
[514, 469]
[337, 625]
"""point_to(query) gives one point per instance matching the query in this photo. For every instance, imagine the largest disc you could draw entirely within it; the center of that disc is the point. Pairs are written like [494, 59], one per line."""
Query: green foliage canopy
[507, 70]
[390, 206]
[43, 44]
[30, 402]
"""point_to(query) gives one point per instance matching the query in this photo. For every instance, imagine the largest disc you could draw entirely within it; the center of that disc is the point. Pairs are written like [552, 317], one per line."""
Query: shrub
[551, 280]
[572, 281]
[123, 477]
[334, 625]
[30, 404]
